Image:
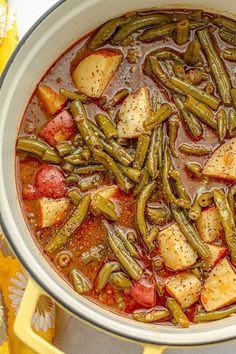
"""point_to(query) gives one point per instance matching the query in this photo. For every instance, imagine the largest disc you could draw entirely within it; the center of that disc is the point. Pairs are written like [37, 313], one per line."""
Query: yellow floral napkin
[13, 279]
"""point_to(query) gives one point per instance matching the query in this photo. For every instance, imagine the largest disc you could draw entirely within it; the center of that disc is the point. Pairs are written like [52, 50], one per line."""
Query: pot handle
[22, 325]
[153, 349]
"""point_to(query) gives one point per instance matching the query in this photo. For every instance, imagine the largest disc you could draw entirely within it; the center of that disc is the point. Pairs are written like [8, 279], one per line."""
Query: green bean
[81, 283]
[128, 245]
[123, 256]
[232, 123]
[167, 54]
[205, 199]
[195, 210]
[106, 125]
[166, 184]
[105, 32]
[96, 130]
[183, 31]
[71, 225]
[117, 152]
[83, 125]
[51, 156]
[120, 280]
[75, 195]
[192, 122]
[159, 117]
[64, 148]
[179, 70]
[94, 253]
[190, 232]
[195, 150]
[142, 182]
[196, 271]
[159, 215]
[67, 167]
[140, 211]
[147, 316]
[233, 95]
[199, 94]
[132, 173]
[89, 182]
[138, 23]
[201, 111]
[75, 159]
[80, 170]
[195, 168]
[157, 32]
[152, 236]
[231, 199]
[120, 300]
[214, 315]
[227, 36]
[104, 274]
[141, 151]
[86, 153]
[152, 157]
[120, 95]
[177, 312]
[229, 54]
[105, 206]
[173, 126]
[222, 123]
[72, 179]
[217, 67]
[182, 193]
[32, 145]
[192, 54]
[227, 220]
[160, 137]
[77, 140]
[111, 166]
[226, 23]
[73, 96]
[131, 236]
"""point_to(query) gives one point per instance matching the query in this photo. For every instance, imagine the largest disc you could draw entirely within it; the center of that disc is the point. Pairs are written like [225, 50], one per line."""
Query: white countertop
[72, 336]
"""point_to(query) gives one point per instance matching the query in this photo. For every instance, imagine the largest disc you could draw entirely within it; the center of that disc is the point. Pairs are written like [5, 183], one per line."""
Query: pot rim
[83, 316]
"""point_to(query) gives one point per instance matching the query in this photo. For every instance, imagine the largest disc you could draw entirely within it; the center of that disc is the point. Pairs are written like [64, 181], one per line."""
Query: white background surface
[72, 336]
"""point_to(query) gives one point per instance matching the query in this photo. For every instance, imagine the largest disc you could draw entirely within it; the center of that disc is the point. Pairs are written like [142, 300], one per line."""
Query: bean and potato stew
[126, 163]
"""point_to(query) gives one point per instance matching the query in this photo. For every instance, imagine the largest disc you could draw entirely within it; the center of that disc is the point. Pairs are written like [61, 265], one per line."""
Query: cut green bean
[159, 117]
[195, 210]
[231, 199]
[177, 312]
[140, 212]
[64, 148]
[201, 111]
[128, 245]
[205, 199]
[214, 315]
[86, 153]
[164, 54]
[80, 170]
[222, 123]
[232, 123]
[32, 145]
[105, 206]
[195, 150]
[227, 36]
[75, 195]
[152, 157]
[104, 274]
[120, 280]
[233, 95]
[182, 193]
[67, 167]
[160, 139]
[142, 182]
[217, 67]
[73, 96]
[182, 32]
[120, 95]
[192, 54]
[123, 256]
[195, 168]
[226, 23]
[132, 173]
[117, 152]
[81, 283]
[229, 54]
[190, 232]
[141, 151]
[94, 253]
[89, 182]
[227, 220]
[147, 316]
[179, 70]
[51, 156]
[72, 179]
[158, 32]
[158, 215]
[71, 225]
[173, 127]
[106, 125]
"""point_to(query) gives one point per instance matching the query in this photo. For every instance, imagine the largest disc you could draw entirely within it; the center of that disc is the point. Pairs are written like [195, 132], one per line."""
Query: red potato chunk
[94, 72]
[184, 287]
[219, 289]
[50, 182]
[52, 102]
[209, 225]
[174, 249]
[222, 163]
[217, 253]
[60, 128]
[133, 112]
[51, 211]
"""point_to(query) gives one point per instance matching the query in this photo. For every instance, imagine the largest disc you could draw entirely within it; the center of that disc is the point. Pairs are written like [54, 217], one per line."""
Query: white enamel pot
[53, 33]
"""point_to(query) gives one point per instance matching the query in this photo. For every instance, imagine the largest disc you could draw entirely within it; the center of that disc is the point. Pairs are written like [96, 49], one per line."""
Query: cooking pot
[58, 29]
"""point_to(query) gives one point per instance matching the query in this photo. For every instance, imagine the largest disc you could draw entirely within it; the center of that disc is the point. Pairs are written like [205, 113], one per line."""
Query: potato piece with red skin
[209, 225]
[219, 289]
[185, 287]
[222, 163]
[51, 211]
[93, 73]
[133, 112]
[144, 292]
[174, 249]
[50, 182]
[52, 102]
[217, 253]
[60, 128]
